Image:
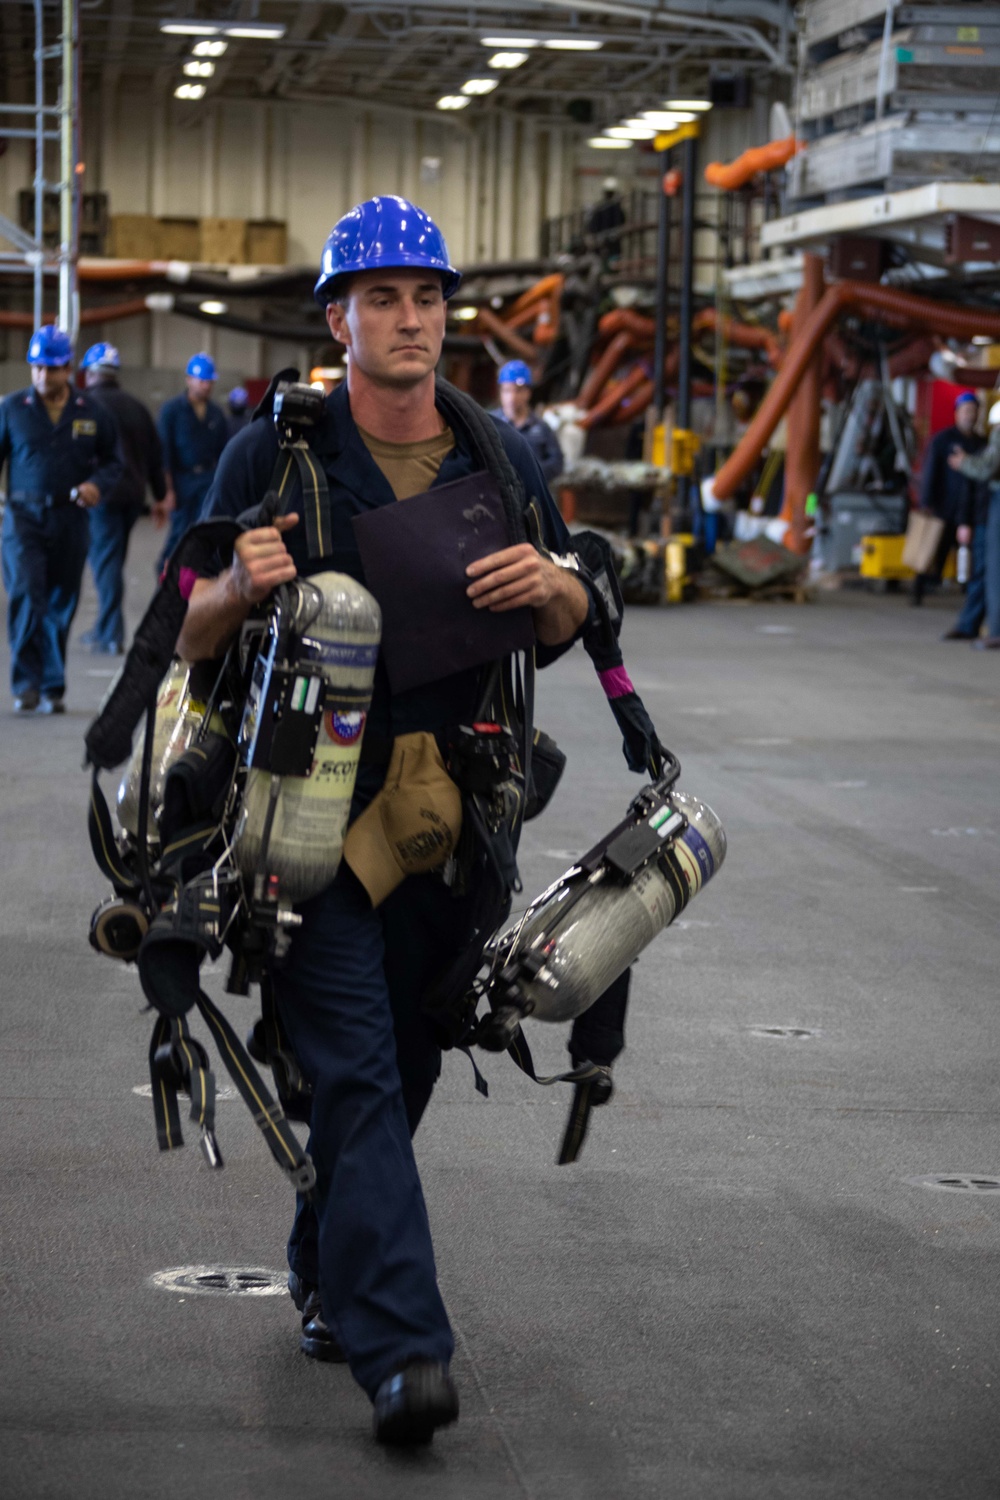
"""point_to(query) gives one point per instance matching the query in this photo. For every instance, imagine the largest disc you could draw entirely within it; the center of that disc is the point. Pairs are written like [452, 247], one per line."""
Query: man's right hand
[261, 561]
[964, 535]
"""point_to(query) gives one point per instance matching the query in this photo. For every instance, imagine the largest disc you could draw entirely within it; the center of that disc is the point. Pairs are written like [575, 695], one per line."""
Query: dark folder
[415, 554]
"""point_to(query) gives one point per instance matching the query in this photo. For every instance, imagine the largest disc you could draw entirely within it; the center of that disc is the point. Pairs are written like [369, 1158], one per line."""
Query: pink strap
[187, 581]
[616, 682]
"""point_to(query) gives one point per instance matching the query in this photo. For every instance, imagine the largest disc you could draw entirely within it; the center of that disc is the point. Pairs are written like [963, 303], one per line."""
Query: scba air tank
[178, 718]
[609, 926]
[335, 632]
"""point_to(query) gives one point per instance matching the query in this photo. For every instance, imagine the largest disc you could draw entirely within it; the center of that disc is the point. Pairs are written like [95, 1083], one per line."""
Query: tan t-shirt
[410, 468]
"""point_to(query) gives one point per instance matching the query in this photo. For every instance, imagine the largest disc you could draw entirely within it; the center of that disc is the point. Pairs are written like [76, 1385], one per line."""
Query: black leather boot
[413, 1403]
[316, 1339]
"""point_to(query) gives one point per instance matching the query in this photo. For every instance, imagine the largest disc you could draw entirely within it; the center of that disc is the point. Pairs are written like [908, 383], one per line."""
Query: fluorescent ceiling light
[633, 130]
[189, 28]
[475, 86]
[660, 119]
[608, 143]
[509, 41]
[572, 44]
[466, 314]
[198, 69]
[454, 101]
[214, 309]
[982, 339]
[508, 59]
[698, 105]
[189, 91]
[265, 31]
[209, 49]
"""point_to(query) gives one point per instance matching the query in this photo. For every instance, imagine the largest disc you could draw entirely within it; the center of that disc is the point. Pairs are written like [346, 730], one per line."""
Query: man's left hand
[955, 458]
[520, 577]
[516, 578]
[88, 495]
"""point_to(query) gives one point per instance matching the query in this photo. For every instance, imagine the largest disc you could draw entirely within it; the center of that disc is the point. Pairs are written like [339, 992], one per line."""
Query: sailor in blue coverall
[193, 432]
[515, 383]
[61, 451]
[361, 1256]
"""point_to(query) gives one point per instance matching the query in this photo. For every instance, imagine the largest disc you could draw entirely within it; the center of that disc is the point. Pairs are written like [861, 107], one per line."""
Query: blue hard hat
[965, 398]
[515, 372]
[50, 346]
[201, 366]
[238, 397]
[104, 356]
[384, 234]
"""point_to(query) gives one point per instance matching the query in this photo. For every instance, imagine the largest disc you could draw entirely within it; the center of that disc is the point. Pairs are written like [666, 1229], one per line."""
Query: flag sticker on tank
[344, 728]
[339, 653]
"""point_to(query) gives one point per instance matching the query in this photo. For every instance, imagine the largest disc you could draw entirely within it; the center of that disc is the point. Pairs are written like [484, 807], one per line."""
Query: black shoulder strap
[467, 417]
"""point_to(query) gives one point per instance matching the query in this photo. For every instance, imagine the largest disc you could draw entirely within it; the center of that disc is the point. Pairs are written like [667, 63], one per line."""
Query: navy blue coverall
[45, 535]
[111, 522]
[192, 448]
[348, 993]
[541, 439]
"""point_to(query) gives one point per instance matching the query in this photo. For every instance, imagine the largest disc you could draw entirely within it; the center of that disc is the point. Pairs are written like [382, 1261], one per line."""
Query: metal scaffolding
[58, 122]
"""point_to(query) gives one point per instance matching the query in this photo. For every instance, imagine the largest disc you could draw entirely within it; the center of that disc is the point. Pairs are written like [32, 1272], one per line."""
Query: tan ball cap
[413, 824]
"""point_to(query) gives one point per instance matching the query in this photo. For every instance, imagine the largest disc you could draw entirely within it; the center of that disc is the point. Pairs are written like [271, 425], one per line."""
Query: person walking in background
[980, 468]
[237, 410]
[112, 520]
[61, 451]
[946, 492]
[515, 383]
[193, 433]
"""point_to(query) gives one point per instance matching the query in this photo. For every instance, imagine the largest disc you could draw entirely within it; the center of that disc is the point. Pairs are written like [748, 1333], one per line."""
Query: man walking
[944, 491]
[193, 433]
[984, 468]
[361, 1258]
[515, 382]
[112, 520]
[60, 447]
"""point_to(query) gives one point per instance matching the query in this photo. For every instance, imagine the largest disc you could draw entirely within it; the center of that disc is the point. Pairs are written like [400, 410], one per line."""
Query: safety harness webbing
[177, 1061]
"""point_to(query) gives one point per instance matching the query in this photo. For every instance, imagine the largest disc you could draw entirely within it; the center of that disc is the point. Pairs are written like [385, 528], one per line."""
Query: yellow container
[882, 557]
[675, 558]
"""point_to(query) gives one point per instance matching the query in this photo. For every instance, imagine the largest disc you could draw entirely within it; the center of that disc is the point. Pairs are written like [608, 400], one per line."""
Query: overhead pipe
[487, 321]
[897, 309]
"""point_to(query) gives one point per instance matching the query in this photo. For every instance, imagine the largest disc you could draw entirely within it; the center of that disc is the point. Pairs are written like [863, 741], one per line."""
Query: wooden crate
[179, 239]
[224, 241]
[267, 242]
[134, 236]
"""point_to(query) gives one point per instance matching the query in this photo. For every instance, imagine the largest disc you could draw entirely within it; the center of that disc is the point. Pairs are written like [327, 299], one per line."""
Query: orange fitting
[736, 174]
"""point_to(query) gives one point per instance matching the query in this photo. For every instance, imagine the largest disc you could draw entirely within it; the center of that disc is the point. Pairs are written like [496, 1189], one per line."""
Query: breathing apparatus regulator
[235, 804]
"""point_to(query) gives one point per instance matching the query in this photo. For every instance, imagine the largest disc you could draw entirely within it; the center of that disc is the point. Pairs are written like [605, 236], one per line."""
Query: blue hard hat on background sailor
[515, 382]
[112, 521]
[193, 432]
[60, 448]
[349, 991]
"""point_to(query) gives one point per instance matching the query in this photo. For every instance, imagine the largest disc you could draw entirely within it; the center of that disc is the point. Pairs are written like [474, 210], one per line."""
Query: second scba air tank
[302, 731]
[595, 920]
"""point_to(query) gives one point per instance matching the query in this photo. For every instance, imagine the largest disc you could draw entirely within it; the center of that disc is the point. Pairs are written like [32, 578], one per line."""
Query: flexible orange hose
[487, 321]
[612, 397]
[735, 174]
[109, 314]
[802, 456]
[605, 367]
[899, 309]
